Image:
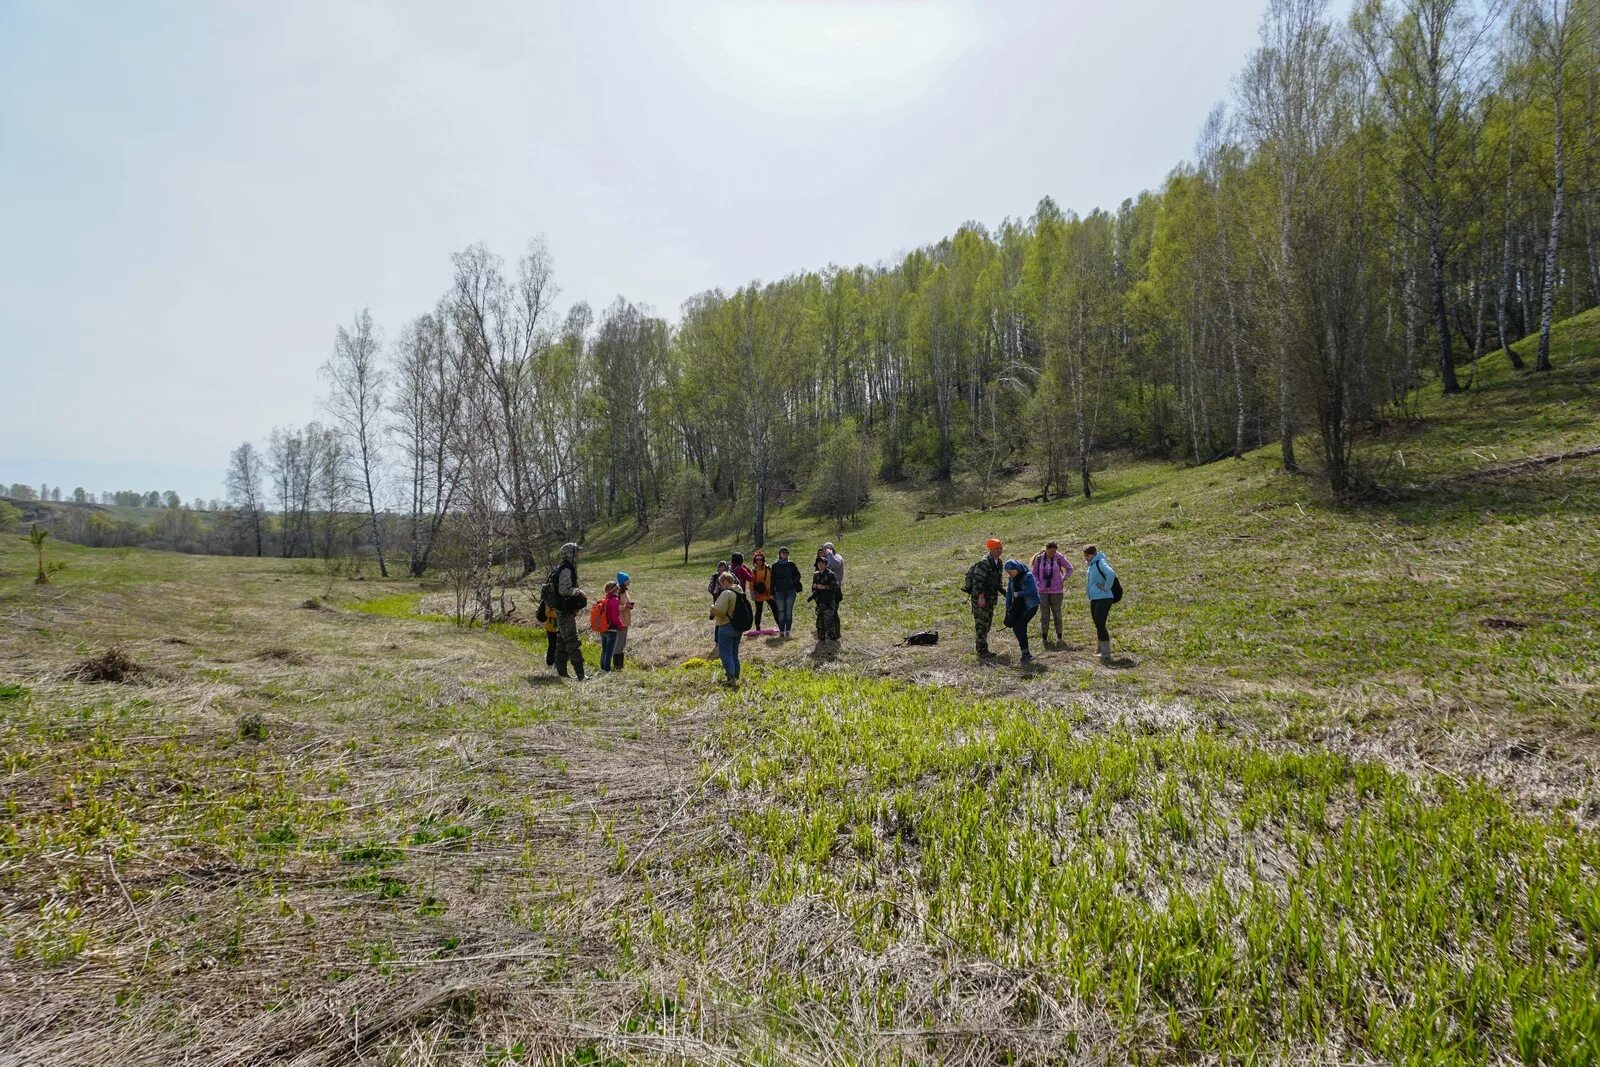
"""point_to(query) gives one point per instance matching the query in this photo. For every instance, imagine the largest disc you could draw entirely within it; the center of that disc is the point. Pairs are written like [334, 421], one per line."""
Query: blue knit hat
[622, 577]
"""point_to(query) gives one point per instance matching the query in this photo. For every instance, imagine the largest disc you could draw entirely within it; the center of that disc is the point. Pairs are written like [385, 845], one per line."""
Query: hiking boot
[1105, 652]
[984, 653]
[1027, 657]
[616, 662]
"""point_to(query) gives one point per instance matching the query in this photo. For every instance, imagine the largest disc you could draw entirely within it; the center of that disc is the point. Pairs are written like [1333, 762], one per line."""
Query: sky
[196, 195]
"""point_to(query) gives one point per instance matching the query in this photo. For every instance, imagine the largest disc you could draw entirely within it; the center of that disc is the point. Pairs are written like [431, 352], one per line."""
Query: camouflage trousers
[983, 621]
[568, 648]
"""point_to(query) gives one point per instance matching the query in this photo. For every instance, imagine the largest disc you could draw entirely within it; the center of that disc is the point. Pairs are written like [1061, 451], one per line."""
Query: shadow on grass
[1565, 490]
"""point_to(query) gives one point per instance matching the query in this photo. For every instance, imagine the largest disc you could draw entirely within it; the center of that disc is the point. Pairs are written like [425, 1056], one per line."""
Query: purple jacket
[1051, 574]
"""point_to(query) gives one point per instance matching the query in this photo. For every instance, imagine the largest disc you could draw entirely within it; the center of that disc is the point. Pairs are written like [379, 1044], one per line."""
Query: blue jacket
[1098, 576]
[1027, 590]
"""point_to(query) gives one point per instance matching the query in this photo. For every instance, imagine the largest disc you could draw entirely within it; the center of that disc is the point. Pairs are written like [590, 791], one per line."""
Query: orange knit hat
[994, 542]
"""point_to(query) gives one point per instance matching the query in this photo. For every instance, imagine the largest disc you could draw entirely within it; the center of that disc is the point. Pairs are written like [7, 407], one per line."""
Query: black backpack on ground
[744, 616]
[924, 637]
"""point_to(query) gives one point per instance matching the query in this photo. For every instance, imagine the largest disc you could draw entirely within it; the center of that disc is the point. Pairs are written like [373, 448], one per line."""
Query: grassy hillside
[1250, 590]
[1320, 810]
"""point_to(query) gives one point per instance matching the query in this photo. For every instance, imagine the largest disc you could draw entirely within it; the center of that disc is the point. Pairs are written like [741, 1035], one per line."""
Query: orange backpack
[597, 616]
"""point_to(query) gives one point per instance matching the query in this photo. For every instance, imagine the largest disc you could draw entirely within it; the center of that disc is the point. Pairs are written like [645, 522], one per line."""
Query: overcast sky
[194, 195]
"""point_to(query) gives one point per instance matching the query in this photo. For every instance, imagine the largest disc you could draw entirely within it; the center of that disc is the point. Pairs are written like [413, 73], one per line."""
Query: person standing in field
[568, 599]
[760, 585]
[621, 621]
[835, 564]
[1050, 571]
[825, 592]
[547, 619]
[714, 586]
[725, 613]
[1103, 588]
[741, 573]
[601, 621]
[1022, 603]
[786, 582]
[982, 586]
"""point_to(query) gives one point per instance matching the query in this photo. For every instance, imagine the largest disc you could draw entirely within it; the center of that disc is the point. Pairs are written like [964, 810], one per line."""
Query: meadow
[1335, 801]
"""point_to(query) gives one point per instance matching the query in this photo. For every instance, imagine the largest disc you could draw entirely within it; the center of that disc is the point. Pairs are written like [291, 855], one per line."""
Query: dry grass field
[1336, 801]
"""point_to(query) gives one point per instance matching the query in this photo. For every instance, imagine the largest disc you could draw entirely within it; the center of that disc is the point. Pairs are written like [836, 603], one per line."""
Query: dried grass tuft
[112, 665]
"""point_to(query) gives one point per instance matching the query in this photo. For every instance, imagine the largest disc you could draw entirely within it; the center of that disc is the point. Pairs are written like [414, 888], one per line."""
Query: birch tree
[356, 382]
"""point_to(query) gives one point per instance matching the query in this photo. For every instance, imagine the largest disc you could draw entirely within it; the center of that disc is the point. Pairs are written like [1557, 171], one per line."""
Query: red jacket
[614, 612]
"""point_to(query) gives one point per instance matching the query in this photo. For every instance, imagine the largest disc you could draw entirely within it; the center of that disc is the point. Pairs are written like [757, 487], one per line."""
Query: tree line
[128, 498]
[1382, 202]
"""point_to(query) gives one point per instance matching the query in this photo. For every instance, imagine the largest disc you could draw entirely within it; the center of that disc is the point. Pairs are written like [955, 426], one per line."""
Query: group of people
[562, 599]
[740, 594]
[1037, 589]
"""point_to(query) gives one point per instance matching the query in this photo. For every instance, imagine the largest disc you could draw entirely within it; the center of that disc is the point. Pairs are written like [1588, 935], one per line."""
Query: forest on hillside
[1381, 202]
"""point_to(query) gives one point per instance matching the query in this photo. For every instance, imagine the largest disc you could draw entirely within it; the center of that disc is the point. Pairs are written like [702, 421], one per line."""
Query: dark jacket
[786, 577]
[984, 577]
[824, 586]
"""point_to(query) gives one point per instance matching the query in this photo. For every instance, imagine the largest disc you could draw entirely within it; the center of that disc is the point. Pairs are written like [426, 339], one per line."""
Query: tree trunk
[372, 512]
[1553, 241]
[1502, 306]
[1441, 307]
[1285, 391]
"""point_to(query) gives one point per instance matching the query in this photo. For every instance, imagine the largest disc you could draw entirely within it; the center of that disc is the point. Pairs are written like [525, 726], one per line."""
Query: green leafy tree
[687, 505]
[842, 483]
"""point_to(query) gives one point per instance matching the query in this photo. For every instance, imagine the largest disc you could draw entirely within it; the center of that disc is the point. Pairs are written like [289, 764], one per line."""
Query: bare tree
[500, 324]
[427, 406]
[245, 490]
[355, 400]
[1551, 27]
[687, 505]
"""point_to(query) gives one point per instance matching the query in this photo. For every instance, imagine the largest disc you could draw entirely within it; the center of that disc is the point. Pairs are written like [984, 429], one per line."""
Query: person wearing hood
[786, 584]
[1022, 603]
[982, 586]
[1101, 582]
[568, 600]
